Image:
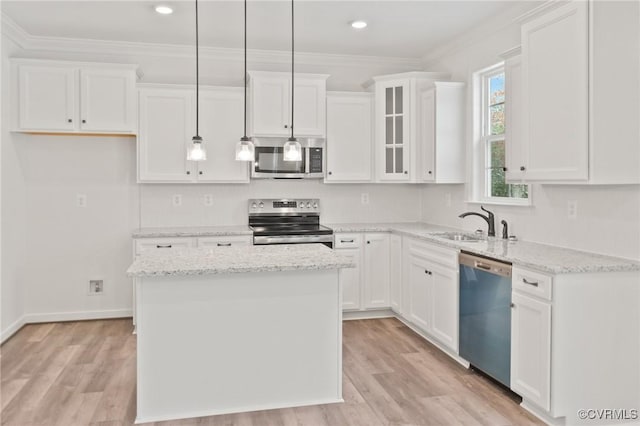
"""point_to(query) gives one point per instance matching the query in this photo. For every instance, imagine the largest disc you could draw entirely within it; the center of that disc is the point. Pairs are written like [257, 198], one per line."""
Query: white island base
[229, 343]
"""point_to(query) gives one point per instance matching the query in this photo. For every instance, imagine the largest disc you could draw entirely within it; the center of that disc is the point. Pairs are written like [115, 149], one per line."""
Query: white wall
[608, 216]
[13, 215]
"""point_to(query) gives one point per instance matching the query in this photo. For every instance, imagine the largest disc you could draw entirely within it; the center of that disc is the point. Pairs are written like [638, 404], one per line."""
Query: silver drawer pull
[533, 283]
[346, 241]
[223, 244]
[163, 246]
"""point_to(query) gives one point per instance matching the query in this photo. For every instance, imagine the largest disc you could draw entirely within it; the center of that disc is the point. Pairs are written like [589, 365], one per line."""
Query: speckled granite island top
[227, 260]
[541, 257]
[192, 231]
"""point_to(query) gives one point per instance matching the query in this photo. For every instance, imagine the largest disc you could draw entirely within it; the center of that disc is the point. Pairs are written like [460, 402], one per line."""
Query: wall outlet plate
[176, 200]
[81, 200]
[572, 209]
[96, 287]
[207, 200]
[364, 198]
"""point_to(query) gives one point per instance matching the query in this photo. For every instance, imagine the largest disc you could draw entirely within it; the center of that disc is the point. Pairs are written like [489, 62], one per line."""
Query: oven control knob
[301, 204]
[315, 205]
[261, 205]
[308, 205]
[254, 205]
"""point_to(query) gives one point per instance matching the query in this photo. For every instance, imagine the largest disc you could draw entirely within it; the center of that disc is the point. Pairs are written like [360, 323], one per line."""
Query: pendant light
[292, 150]
[196, 151]
[245, 150]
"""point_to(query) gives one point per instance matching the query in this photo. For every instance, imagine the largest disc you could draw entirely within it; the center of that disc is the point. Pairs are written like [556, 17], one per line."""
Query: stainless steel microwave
[269, 161]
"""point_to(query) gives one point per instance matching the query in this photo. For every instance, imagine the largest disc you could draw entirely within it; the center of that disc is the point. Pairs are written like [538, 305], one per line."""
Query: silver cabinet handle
[533, 283]
[223, 244]
[163, 245]
[346, 241]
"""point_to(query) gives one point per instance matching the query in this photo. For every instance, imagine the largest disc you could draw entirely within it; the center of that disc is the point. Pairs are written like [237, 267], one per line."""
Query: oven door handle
[292, 239]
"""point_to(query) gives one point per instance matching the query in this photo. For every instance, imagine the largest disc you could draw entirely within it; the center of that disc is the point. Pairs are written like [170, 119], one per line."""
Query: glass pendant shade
[196, 151]
[245, 150]
[292, 150]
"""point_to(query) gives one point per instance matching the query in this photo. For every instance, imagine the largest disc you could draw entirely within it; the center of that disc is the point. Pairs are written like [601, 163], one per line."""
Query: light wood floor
[84, 373]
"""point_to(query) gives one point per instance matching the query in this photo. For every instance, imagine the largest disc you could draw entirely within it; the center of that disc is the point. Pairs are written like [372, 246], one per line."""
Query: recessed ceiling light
[358, 25]
[164, 10]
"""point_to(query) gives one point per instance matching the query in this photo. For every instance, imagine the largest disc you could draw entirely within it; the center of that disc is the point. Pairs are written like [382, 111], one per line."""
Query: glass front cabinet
[397, 124]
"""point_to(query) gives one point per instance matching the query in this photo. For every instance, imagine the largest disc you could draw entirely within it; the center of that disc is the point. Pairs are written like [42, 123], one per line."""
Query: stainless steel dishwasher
[485, 315]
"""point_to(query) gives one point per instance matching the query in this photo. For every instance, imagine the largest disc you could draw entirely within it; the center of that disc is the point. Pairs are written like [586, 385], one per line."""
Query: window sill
[526, 203]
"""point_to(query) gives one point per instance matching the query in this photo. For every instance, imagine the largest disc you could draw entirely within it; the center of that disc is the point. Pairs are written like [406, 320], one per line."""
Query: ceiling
[396, 28]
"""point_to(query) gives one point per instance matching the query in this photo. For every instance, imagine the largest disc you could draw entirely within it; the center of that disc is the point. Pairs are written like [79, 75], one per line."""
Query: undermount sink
[458, 236]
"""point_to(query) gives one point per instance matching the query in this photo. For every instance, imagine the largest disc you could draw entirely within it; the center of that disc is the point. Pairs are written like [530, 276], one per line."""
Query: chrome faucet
[488, 218]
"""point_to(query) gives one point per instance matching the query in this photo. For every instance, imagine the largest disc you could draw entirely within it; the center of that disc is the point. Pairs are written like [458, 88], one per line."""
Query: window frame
[482, 138]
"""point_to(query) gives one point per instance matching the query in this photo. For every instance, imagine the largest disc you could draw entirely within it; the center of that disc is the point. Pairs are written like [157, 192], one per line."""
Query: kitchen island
[235, 329]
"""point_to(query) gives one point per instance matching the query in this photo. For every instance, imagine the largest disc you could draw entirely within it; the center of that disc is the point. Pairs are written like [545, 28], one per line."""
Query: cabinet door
[349, 137]
[310, 107]
[376, 271]
[531, 349]
[393, 135]
[107, 100]
[444, 308]
[350, 279]
[513, 120]
[166, 128]
[47, 97]
[427, 170]
[270, 102]
[395, 273]
[419, 293]
[555, 94]
[221, 123]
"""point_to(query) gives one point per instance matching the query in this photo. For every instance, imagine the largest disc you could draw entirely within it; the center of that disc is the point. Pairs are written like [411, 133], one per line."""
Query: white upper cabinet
[221, 126]
[349, 136]
[166, 128]
[69, 97]
[555, 67]
[47, 98]
[167, 125]
[398, 125]
[107, 100]
[441, 133]
[573, 117]
[270, 103]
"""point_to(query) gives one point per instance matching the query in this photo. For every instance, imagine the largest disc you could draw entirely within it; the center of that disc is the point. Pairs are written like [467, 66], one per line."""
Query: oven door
[269, 163]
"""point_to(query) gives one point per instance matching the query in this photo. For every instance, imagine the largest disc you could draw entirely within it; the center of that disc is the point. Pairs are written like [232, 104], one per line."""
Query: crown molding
[34, 43]
[539, 10]
[495, 24]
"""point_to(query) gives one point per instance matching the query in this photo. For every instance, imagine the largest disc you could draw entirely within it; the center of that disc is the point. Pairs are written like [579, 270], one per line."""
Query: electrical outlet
[447, 199]
[176, 200]
[96, 287]
[81, 200]
[364, 198]
[572, 209]
[208, 200]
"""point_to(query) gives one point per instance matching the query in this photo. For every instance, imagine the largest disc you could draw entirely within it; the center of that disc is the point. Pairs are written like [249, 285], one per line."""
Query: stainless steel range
[283, 221]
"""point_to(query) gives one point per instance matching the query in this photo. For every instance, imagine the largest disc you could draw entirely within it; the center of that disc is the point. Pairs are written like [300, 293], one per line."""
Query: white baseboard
[373, 314]
[77, 316]
[540, 414]
[12, 329]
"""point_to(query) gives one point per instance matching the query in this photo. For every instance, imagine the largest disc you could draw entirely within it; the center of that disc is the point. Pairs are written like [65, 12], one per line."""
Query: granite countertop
[226, 260]
[541, 257]
[195, 231]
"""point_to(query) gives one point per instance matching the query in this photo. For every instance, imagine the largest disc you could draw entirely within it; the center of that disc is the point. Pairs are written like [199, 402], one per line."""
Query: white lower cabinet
[365, 287]
[224, 241]
[531, 348]
[431, 288]
[395, 273]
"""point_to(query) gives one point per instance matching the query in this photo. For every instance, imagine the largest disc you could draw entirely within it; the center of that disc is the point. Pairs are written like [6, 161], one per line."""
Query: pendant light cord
[197, 77]
[292, 69]
[245, 69]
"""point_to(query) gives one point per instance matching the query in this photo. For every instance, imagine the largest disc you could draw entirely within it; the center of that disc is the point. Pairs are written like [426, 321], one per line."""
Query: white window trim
[479, 182]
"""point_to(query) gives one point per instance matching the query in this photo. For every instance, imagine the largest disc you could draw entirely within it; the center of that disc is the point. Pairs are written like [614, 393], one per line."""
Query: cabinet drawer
[533, 283]
[145, 244]
[444, 256]
[347, 240]
[225, 241]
